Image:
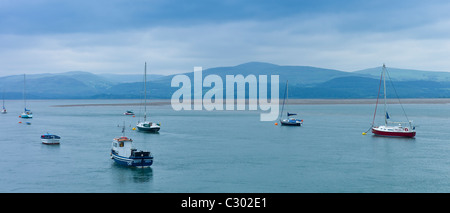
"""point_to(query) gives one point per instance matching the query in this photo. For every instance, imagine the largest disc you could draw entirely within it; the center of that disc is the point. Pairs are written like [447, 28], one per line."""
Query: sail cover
[290, 114]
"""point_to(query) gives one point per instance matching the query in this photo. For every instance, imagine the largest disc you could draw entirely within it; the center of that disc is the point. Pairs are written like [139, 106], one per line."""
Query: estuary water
[222, 151]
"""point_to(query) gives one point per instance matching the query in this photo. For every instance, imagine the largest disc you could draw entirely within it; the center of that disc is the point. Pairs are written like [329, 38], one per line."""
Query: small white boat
[128, 112]
[50, 139]
[26, 114]
[147, 126]
[3, 107]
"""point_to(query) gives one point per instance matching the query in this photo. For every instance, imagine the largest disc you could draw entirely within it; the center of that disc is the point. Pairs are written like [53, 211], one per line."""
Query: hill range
[304, 82]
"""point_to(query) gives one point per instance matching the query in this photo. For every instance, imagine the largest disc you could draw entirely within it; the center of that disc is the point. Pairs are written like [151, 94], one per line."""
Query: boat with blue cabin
[123, 153]
[289, 121]
[50, 139]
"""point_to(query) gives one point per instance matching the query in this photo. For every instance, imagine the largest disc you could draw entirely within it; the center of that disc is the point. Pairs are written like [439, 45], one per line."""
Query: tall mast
[287, 91]
[24, 94]
[145, 91]
[384, 85]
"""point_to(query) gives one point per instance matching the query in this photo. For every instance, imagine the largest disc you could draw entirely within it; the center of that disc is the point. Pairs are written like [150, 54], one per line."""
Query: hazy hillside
[304, 82]
[408, 75]
[297, 75]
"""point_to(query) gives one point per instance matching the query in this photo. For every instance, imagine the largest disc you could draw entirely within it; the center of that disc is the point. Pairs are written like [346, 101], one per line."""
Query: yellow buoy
[364, 133]
[134, 128]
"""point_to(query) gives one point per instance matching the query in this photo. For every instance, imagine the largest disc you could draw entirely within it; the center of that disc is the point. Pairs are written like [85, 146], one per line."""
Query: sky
[118, 36]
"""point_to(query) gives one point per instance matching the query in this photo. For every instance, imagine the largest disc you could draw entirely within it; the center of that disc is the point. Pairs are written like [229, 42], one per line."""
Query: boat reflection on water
[122, 175]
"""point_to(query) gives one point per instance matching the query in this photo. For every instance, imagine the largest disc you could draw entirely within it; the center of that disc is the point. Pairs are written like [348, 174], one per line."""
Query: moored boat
[147, 126]
[128, 112]
[26, 113]
[394, 131]
[50, 139]
[391, 128]
[289, 121]
[123, 153]
[3, 106]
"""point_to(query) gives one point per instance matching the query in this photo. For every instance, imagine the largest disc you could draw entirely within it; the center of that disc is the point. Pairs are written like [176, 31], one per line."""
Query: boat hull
[50, 141]
[291, 122]
[406, 134]
[139, 162]
[25, 116]
[148, 129]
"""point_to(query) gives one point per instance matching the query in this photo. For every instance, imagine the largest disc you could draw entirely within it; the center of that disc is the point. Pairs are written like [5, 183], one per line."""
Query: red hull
[394, 134]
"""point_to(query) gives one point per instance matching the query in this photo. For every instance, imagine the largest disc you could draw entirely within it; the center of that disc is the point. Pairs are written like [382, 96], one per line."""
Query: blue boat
[123, 153]
[289, 121]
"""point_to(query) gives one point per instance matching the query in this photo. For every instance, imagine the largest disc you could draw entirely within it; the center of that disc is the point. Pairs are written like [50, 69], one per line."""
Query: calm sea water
[223, 151]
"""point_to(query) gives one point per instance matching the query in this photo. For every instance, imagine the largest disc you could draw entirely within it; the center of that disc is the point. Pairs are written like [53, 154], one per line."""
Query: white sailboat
[3, 106]
[147, 126]
[26, 113]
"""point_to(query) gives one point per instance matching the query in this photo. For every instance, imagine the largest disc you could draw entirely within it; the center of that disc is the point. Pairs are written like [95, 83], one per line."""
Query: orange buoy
[276, 124]
[20, 122]
[20, 116]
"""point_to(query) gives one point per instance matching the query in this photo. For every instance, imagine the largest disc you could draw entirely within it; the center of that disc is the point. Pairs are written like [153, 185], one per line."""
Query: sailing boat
[289, 121]
[26, 113]
[147, 126]
[390, 128]
[3, 107]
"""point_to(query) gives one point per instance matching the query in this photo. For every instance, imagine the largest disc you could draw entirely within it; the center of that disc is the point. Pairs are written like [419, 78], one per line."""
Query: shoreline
[161, 102]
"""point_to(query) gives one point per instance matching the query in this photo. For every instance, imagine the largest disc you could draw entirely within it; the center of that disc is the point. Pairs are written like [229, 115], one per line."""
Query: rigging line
[282, 108]
[141, 99]
[404, 112]
[378, 96]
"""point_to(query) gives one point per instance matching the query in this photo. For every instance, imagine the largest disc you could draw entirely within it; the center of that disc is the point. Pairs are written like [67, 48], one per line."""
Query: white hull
[50, 141]
[148, 127]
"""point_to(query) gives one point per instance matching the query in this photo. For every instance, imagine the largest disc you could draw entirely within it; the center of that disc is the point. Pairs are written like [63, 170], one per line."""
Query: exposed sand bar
[160, 102]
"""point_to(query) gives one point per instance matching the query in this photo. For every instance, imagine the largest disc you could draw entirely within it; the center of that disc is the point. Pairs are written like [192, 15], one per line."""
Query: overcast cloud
[47, 36]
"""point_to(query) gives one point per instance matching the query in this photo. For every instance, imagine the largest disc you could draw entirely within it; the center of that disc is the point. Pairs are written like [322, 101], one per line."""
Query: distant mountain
[124, 78]
[297, 75]
[304, 82]
[75, 84]
[408, 74]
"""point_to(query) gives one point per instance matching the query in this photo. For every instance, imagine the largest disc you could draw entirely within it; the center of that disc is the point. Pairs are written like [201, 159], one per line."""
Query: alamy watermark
[213, 98]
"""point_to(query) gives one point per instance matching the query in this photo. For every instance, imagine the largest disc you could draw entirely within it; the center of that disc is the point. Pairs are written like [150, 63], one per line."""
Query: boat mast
[384, 85]
[145, 91]
[24, 94]
[287, 91]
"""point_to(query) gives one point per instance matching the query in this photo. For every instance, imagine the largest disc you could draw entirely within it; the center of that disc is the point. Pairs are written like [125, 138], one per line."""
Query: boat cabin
[122, 146]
